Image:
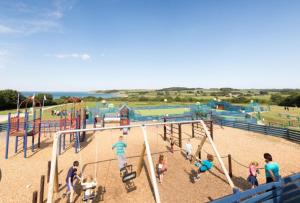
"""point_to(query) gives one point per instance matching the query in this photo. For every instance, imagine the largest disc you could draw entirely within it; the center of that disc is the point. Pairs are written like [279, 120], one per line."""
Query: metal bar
[152, 170]
[217, 154]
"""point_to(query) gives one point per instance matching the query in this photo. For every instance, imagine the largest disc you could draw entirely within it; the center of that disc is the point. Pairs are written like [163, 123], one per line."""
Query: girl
[89, 186]
[253, 171]
[161, 167]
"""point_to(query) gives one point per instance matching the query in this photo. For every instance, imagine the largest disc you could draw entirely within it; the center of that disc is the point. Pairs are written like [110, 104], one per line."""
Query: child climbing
[89, 186]
[203, 166]
[253, 171]
[71, 176]
[120, 146]
[161, 167]
[189, 150]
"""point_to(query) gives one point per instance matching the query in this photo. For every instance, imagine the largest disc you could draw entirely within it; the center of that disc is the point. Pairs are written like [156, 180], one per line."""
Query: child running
[120, 146]
[253, 171]
[203, 166]
[161, 167]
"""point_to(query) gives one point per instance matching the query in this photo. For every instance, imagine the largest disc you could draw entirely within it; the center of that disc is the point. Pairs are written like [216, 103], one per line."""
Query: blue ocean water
[57, 95]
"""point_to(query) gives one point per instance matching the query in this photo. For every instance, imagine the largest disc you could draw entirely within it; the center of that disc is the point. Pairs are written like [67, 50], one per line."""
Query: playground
[177, 186]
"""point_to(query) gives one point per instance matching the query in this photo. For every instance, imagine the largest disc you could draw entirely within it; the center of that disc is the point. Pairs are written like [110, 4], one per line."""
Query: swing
[89, 192]
[127, 178]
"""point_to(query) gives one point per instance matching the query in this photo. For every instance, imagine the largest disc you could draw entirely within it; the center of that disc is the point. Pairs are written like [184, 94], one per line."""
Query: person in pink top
[253, 171]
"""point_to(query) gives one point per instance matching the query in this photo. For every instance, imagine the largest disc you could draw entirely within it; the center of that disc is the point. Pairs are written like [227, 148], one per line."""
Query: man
[71, 176]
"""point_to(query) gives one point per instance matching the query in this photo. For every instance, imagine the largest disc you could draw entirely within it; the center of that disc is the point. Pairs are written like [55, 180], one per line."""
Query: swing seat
[87, 188]
[129, 177]
[89, 197]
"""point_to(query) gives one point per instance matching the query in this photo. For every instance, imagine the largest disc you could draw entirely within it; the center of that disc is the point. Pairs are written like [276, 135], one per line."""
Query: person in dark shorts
[71, 176]
[253, 171]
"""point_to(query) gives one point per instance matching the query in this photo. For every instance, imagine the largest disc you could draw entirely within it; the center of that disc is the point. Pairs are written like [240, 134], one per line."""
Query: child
[120, 145]
[161, 167]
[172, 142]
[188, 150]
[204, 165]
[253, 171]
[71, 176]
[89, 186]
[271, 168]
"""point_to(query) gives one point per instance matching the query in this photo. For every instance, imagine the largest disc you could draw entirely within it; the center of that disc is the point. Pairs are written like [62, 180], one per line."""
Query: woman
[271, 169]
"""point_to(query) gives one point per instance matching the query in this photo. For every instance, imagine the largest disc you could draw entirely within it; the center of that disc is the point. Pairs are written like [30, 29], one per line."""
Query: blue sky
[104, 44]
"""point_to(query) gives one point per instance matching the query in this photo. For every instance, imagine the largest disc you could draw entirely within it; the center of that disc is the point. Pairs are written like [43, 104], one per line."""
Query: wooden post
[34, 197]
[165, 130]
[211, 130]
[172, 129]
[141, 161]
[48, 171]
[199, 155]
[193, 131]
[229, 165]
[42, 184]
[180, 137]
[56, 185]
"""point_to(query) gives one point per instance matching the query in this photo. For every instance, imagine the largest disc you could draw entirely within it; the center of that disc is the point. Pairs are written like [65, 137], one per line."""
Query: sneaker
[196, 179]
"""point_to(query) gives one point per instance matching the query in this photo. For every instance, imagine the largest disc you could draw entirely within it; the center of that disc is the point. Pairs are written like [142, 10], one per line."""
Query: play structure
[21, 128]
[24, 125]
[128, 174]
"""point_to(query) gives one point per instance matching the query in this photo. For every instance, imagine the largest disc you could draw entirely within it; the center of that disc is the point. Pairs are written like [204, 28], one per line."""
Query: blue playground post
[18, 127]
[40, 129]
[33, 130]
[25, 134]
[77, 141]
[7, 136]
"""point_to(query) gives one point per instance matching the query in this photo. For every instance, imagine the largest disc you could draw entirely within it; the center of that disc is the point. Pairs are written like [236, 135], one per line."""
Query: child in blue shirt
[120, 146]
[271, 168]
[204, 165]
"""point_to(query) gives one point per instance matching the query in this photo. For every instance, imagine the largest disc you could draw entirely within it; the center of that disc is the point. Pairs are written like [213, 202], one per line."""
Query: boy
[72, 174]
[203, 166]
[120, 145]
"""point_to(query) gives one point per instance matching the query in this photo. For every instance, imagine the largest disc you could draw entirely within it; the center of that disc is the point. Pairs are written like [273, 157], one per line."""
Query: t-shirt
[206, 165]
[274, 167]
[252, 170]
[188, 148]
[71, 174]
[120, 147]
[85, 185]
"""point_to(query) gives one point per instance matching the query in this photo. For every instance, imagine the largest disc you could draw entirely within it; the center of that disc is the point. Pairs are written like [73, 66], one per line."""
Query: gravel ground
[20, 177]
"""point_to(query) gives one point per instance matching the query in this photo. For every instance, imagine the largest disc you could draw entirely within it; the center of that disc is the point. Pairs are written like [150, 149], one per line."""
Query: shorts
[252, 180]
[270, 180]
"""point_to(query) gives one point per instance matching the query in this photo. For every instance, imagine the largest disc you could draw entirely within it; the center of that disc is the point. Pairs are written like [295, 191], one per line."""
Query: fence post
[211, 130]
[266, 129]
[229, 165]
[48, 171]
[288, 133]
[165, 130]
[193, 131]
[34, 197]
[42, 183]
[180, 137]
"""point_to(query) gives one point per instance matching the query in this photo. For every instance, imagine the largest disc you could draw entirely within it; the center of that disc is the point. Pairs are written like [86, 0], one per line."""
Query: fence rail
[292, 135]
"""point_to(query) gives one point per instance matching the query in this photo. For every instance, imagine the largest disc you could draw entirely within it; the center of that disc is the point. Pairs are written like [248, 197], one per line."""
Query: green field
[162, 112]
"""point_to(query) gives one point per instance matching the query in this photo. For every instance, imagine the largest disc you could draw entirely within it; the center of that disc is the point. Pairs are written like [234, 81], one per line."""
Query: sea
[57, 95]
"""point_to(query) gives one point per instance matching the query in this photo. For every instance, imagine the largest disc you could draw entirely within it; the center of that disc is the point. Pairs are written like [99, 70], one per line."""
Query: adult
[271, 169]
[71, 176]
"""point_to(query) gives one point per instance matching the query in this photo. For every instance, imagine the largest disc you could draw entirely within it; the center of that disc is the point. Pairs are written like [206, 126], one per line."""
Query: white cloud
[83, 57]
[6, 30]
